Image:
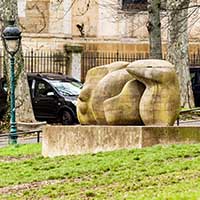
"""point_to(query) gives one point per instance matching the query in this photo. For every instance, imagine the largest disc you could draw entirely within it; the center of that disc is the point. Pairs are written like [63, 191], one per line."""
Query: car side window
[42, 89]
[4, 86]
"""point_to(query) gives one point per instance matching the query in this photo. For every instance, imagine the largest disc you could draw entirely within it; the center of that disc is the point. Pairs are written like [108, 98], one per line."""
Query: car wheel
[67, 118]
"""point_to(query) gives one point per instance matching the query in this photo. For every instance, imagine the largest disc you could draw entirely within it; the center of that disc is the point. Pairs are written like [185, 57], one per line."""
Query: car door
[196, 86]
[44, 100]
[3, 96]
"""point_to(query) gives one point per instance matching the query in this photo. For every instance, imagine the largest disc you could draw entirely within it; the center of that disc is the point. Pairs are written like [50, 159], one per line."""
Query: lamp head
[11, 36]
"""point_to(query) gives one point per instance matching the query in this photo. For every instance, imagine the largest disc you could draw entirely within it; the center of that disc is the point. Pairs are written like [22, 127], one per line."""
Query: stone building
[99, 25]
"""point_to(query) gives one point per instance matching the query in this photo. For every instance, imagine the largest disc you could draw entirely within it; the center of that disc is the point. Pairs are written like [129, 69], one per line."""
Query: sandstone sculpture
[143, 92]
[85, 101]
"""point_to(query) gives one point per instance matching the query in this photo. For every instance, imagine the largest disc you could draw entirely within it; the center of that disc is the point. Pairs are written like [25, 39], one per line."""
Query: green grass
[21, 150]
[151, 173]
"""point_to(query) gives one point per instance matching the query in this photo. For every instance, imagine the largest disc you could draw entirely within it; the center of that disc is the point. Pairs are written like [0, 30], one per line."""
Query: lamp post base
[13, 134]
[13, 139]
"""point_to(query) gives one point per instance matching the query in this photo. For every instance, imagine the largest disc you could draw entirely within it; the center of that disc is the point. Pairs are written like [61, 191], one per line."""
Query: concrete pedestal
[71, 140]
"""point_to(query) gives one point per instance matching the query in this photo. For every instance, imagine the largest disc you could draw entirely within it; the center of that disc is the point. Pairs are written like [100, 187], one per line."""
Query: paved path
[190, 123]
[21, 140]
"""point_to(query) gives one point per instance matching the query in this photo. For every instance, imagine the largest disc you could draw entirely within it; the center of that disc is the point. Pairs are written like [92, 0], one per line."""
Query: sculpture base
[72, 140]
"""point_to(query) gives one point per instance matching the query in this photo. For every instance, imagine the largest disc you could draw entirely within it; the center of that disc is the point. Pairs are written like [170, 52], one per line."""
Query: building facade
[98, 25]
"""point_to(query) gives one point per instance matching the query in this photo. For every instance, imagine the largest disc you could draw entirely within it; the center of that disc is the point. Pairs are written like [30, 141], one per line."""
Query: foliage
[149, 173]
[4, 124]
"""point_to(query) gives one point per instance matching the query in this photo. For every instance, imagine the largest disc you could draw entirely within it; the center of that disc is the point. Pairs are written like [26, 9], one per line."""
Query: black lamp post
[11, 37]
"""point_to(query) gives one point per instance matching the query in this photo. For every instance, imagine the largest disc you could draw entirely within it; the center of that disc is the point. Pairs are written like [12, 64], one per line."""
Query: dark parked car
[195, 78]
[54, 97]
[3, 96]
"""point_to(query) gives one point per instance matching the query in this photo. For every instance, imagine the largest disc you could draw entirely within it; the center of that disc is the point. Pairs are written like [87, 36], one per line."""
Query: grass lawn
[151, 173]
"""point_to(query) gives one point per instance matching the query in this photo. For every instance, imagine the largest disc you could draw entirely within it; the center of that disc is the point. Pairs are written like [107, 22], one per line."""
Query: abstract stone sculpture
[144, 92]
[86, 107]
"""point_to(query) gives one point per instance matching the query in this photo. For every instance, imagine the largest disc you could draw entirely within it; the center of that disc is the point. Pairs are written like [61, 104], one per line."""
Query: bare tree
[154, 29]
[24, 112]
[178, 47]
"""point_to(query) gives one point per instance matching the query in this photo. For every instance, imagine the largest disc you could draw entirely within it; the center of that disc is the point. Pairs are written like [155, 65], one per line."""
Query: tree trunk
[24, 112]
[178, 47]
[153, 27]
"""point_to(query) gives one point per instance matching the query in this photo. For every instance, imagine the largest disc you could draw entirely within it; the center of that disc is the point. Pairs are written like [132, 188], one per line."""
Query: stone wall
[35, 19]
[100, 25]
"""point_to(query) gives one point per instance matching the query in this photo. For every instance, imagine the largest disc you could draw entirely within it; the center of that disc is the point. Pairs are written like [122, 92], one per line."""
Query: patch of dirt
[28, 186]
[17, 189]
[15, 159]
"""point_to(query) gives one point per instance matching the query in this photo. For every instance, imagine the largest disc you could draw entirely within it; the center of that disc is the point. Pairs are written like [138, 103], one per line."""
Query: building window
[134, 4]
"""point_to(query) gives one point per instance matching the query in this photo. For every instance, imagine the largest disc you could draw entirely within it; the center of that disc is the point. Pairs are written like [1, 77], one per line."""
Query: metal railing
[42, 61]
[92, 59]
[36, 134]
[58, 62]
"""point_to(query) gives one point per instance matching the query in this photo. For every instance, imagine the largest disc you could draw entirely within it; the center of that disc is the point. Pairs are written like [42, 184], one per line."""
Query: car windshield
[67, 88]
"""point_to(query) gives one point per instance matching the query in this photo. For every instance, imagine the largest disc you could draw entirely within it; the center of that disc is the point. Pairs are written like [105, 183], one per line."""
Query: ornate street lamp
[11, 37]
